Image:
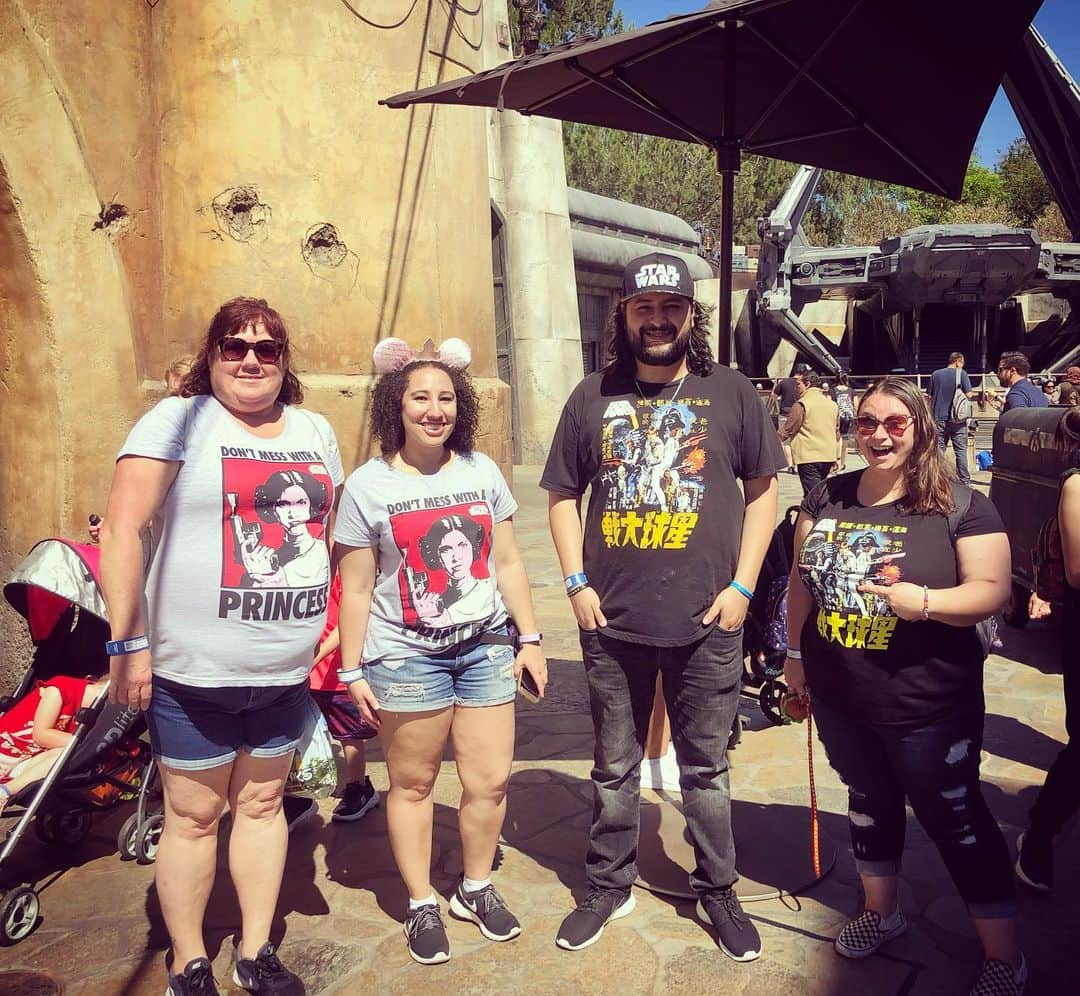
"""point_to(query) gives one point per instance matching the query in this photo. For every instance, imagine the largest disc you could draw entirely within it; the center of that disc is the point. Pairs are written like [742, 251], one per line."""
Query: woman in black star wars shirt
[882, 609]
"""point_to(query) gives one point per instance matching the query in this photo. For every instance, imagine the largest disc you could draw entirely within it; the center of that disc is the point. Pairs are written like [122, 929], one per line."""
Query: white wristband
[794, 653]
[351, 675]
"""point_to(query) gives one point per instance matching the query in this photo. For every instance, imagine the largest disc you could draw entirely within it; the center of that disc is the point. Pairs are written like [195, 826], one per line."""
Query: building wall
[242, 149]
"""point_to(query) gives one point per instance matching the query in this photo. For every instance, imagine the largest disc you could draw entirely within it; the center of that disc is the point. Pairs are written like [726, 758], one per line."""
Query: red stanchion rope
[815, 840]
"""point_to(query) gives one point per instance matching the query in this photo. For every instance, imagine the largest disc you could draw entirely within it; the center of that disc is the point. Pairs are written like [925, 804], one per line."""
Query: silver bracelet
[351, 675]
[794, 653]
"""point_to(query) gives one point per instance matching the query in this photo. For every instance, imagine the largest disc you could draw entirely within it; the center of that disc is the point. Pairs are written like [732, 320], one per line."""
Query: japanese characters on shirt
[838, 556]
[653, 462]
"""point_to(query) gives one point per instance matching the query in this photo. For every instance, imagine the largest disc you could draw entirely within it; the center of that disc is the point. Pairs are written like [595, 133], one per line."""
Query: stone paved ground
[101, 932]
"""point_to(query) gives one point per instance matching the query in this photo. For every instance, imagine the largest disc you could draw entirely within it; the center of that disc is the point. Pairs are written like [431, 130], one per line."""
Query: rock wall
[158, 159]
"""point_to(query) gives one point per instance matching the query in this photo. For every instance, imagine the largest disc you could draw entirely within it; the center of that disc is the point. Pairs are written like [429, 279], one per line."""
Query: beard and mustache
[660, 354]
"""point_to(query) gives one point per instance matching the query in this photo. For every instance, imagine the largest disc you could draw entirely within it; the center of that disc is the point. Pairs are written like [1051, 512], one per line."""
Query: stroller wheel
[19, 911]
[67, 827]
[772, 691]
[146, 841]
[126, 838]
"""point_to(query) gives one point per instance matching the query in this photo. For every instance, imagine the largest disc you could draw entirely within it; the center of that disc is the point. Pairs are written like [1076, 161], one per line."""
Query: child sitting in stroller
[35, 730]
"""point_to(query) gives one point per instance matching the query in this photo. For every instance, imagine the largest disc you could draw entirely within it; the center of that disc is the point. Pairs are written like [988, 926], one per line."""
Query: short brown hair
[231, 318]
[1016, 361]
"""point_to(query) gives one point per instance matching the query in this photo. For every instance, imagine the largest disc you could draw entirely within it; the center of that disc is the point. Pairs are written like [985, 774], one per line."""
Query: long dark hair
[699, 357]
[231, 318]
[926, 475]
[390, 388]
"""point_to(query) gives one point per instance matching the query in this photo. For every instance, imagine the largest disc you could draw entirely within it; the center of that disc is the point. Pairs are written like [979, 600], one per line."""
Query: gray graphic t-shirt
[435, 585]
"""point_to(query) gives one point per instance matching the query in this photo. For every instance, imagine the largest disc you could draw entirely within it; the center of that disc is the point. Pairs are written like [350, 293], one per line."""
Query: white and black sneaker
[265, 974]
[735, 933]
[999, 978]
[862, 936]
[197, 978]
[584, 925]
[359, 799]
[425, 934]
[487, 909]
[298, 810]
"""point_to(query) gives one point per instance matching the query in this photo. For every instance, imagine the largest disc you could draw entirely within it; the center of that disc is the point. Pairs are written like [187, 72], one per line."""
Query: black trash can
[1031, 452]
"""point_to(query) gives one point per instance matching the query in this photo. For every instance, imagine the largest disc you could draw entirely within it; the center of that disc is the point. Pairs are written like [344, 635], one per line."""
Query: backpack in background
[987, 629]
[960, 410]
[1048, 562]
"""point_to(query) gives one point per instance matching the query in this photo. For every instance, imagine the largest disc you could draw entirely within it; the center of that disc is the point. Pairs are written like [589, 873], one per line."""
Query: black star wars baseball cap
[657, 273]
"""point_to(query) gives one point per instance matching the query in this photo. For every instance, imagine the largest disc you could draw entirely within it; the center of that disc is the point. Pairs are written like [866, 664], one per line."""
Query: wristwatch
[536, 638]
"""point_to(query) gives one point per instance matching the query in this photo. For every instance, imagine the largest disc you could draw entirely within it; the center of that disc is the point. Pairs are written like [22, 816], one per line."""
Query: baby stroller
[56, 590]
[765, 629]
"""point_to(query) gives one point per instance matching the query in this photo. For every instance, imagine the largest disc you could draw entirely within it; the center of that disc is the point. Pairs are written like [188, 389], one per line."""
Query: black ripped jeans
[936, 767]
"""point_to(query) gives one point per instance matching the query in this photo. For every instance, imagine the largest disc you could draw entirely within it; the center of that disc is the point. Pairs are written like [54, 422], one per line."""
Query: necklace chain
[678, 388]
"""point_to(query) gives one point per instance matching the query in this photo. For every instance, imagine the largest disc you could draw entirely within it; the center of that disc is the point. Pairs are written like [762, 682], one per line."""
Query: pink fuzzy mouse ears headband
[392, 355]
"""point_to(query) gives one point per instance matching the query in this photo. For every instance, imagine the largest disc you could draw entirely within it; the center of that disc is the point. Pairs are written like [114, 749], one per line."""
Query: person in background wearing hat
[1069, 390]
[660, 579]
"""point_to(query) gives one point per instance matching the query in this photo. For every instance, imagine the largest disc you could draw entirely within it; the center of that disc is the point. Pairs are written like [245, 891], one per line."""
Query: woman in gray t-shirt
[431, 577]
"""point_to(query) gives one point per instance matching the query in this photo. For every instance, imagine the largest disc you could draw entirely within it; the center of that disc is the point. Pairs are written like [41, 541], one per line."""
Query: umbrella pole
[728, 160]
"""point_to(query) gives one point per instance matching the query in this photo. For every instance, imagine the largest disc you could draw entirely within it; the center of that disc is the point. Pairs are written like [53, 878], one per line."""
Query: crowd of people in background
[397, 601]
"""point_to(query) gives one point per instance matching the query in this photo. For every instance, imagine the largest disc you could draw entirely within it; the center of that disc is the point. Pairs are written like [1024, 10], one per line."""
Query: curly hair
[231, 318]
[386, 425]
[269, 493]
[927, 476]
[429, 542]
[699, 357]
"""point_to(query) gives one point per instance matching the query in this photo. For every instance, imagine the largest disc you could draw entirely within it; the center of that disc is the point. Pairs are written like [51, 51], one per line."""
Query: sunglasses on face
[233, 348]
[895, 425]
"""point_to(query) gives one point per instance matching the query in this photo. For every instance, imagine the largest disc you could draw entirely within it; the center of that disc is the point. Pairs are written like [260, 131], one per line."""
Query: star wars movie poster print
[837, 557]
[445, 585]
[274, 563]
[653, 456]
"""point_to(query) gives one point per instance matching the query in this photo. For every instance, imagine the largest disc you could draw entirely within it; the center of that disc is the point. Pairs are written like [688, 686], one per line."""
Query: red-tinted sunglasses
[895, 425]
[233, 348]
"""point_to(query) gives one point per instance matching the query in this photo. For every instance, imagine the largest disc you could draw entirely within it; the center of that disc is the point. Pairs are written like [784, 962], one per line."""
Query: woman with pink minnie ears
[432, 585]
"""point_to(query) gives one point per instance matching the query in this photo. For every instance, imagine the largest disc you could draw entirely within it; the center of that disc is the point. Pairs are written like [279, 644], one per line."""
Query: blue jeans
[701, 686]
[957, 434]
[937, 768]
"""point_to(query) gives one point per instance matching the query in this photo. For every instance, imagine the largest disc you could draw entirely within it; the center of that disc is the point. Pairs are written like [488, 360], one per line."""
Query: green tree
[1025, 188]
[542, 24]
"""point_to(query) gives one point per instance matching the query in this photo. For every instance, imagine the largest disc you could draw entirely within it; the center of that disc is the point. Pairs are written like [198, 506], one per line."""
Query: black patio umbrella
[893, 90]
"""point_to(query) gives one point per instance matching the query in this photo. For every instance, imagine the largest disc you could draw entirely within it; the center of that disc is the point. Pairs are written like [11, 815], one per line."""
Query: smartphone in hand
[527, 687]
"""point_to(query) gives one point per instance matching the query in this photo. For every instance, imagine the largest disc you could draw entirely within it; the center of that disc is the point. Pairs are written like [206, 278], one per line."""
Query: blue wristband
[577, 581]
[741, 589]
[118, 648]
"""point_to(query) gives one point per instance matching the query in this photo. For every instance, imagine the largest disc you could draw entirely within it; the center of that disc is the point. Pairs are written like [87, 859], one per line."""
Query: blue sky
[1058, 22]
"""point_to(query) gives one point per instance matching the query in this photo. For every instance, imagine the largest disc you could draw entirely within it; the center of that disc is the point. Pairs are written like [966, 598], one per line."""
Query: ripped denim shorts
[467, 674]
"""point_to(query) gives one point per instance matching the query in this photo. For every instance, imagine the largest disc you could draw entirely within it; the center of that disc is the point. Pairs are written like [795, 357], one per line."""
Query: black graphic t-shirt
[860, 658]
[665, 513]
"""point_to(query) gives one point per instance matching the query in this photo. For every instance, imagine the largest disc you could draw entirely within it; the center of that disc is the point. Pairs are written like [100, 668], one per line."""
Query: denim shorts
[468, 674]
[194, 729]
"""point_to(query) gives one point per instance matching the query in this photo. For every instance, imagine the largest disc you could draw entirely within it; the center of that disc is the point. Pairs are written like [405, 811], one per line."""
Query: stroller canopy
[54, 575]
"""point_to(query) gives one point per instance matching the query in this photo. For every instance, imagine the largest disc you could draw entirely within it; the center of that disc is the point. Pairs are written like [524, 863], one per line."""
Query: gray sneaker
[487, 910]
[585, 925]
[425, 934]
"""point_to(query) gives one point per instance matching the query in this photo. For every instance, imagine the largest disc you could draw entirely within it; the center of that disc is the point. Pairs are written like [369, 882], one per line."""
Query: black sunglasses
[233, 348]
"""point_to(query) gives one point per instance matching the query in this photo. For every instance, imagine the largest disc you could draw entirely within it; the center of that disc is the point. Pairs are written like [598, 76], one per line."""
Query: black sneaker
[197, 978]
[298, 809]
[265, 974]
[1035, 862]
[487, 910]
[426, 935]
[737, 936]
[862, 936]
[360, 798]
[999, 978]
[585, 925]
